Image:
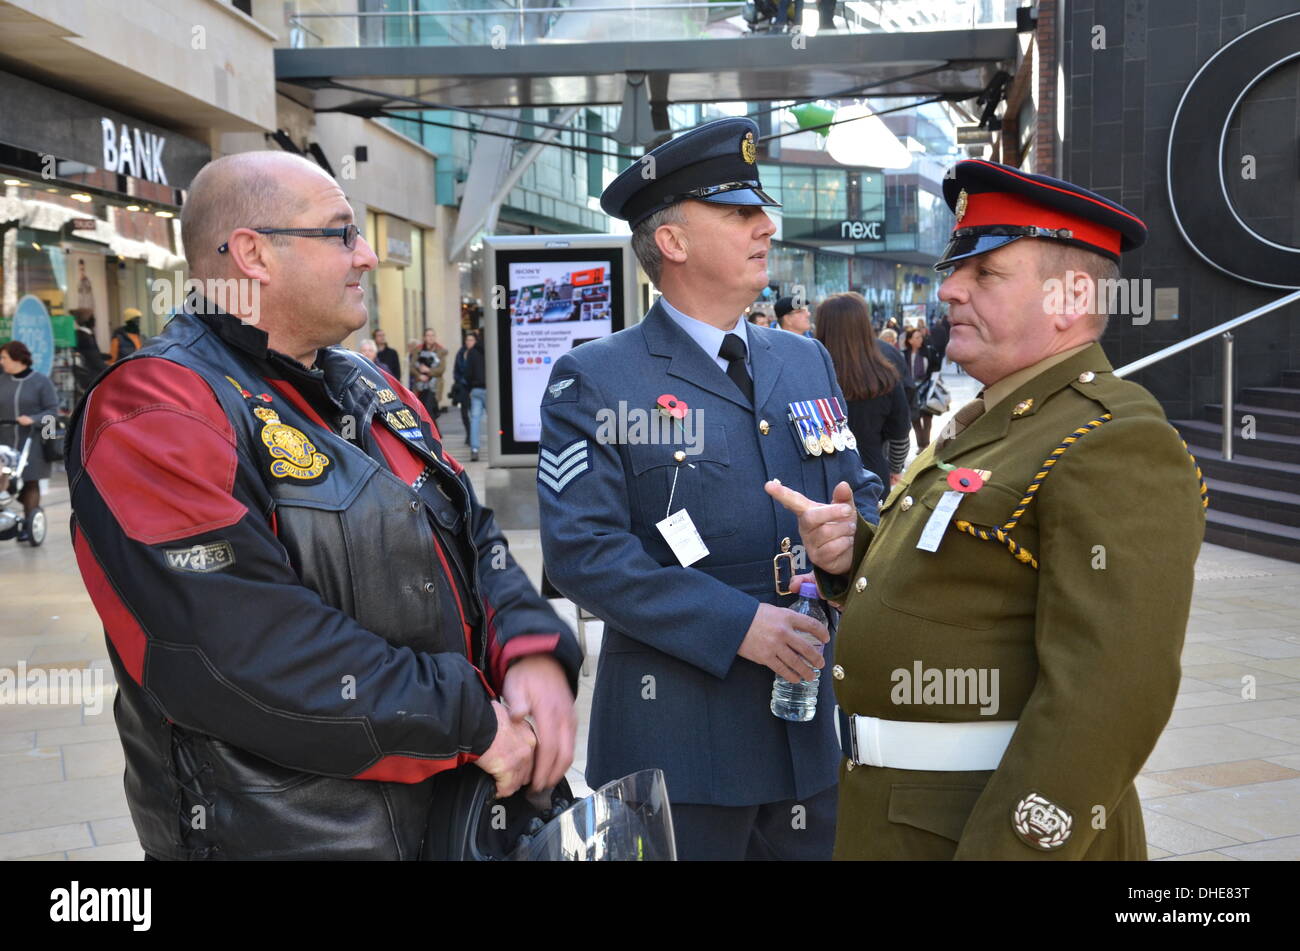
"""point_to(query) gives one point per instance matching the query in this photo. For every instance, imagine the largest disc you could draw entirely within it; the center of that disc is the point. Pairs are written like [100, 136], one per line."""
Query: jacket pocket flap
[990, 507]
[709, 445]
[935, 808]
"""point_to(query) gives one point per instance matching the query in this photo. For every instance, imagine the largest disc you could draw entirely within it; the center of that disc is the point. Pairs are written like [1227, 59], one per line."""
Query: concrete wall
[397, 177]
[196, 64]
[1122, 101]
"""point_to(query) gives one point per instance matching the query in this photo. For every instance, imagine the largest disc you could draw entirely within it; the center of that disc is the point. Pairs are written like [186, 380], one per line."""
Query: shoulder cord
[1205, 492]
[1000, 535]
[1022, 554]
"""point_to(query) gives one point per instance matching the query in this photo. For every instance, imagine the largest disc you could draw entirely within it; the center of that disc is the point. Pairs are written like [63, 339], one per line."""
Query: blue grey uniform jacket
[670, 690]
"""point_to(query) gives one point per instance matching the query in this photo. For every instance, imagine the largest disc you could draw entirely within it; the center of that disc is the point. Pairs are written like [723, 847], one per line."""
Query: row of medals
[828, 438]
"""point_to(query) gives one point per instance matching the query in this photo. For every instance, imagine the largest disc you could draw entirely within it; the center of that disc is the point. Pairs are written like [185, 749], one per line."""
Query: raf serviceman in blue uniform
[687, 415]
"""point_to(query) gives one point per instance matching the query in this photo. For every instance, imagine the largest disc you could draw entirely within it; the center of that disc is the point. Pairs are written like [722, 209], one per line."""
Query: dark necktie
[733, 351]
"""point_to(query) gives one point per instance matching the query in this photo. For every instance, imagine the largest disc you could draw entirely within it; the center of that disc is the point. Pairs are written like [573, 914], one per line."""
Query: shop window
[799, 189]
[413, 288]
[770, 176]
[832, 194]
[871, 196]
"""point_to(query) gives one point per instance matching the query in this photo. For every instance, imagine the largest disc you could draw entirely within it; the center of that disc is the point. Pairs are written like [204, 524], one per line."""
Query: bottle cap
[808, 590]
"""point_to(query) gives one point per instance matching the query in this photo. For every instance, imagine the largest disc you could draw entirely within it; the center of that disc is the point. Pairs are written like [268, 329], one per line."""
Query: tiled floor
[1222, 784]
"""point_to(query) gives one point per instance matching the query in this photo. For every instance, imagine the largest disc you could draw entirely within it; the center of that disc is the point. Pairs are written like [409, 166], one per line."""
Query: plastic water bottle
[798, 702]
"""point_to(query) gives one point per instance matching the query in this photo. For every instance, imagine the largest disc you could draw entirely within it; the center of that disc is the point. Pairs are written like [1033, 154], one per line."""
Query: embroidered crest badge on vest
[293, 455]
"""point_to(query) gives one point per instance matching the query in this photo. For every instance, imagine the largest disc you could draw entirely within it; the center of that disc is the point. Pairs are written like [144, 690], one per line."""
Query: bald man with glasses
[305, 604]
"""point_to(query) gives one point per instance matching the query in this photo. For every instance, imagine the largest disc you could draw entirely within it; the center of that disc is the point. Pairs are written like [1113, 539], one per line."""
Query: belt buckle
[845, 724]
[785, 552]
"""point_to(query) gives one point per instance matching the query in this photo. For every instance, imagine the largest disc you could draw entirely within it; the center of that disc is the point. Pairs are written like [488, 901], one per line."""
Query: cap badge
[960, 210]
[748, 150]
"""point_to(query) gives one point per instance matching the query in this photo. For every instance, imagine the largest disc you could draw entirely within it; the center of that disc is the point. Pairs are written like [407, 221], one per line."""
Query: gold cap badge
[748, 149]
[962, 199]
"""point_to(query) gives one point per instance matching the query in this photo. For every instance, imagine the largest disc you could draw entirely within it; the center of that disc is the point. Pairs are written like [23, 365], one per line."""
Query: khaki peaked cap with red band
[997, 204]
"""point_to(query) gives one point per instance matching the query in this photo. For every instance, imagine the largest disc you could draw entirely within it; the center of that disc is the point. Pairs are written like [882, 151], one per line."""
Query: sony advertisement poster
[549, 293]
[553, 307]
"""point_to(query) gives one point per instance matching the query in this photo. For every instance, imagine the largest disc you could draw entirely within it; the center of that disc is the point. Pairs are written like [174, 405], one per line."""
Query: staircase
[1255, 498]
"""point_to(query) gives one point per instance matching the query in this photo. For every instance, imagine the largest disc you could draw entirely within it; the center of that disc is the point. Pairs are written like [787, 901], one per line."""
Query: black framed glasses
[349, 234]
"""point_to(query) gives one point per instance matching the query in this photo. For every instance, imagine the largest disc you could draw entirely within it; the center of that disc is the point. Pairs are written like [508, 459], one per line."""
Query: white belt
[900, 744]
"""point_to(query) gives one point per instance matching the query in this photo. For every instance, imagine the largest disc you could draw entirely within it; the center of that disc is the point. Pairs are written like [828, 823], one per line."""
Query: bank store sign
[52, 123]
[133, 151]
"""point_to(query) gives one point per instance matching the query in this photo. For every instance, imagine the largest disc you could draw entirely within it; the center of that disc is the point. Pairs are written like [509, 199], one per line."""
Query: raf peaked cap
[997, 204]
[718, 162]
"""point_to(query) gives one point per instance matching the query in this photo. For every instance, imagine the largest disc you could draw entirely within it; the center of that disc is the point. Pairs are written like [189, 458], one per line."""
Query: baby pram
[12, 463]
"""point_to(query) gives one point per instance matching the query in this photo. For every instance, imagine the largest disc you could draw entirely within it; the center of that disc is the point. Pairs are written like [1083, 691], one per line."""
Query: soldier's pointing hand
[826, 529]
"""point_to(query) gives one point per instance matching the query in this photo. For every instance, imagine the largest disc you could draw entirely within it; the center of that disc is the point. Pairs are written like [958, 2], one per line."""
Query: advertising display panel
[546, 295]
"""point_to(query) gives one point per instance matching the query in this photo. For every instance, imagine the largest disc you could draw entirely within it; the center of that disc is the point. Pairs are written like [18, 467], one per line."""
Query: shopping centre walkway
[1222, 784]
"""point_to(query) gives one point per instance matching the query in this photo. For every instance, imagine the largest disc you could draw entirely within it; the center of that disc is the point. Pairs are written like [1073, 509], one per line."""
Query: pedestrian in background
[872, 384]
[430, 365]
[897, 449]
[368, 349]
[126, 339]
[475, 379]
[825, 15]
[782, 22]
[939, 338]
[28, 398]
[921, 365]
[387, 358]
[459, 386]
[90, 362]
[793, 317]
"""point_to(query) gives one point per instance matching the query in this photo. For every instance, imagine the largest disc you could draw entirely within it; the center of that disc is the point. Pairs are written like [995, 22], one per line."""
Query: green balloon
[812, 116]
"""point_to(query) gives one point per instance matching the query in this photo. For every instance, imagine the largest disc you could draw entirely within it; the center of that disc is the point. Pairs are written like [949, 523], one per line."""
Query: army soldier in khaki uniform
[1009, 649]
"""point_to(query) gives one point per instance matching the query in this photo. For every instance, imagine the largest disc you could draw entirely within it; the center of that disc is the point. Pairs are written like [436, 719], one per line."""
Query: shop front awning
[44, 216]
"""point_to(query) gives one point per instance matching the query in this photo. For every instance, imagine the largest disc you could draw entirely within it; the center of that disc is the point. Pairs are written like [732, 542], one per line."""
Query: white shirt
[708, 336]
